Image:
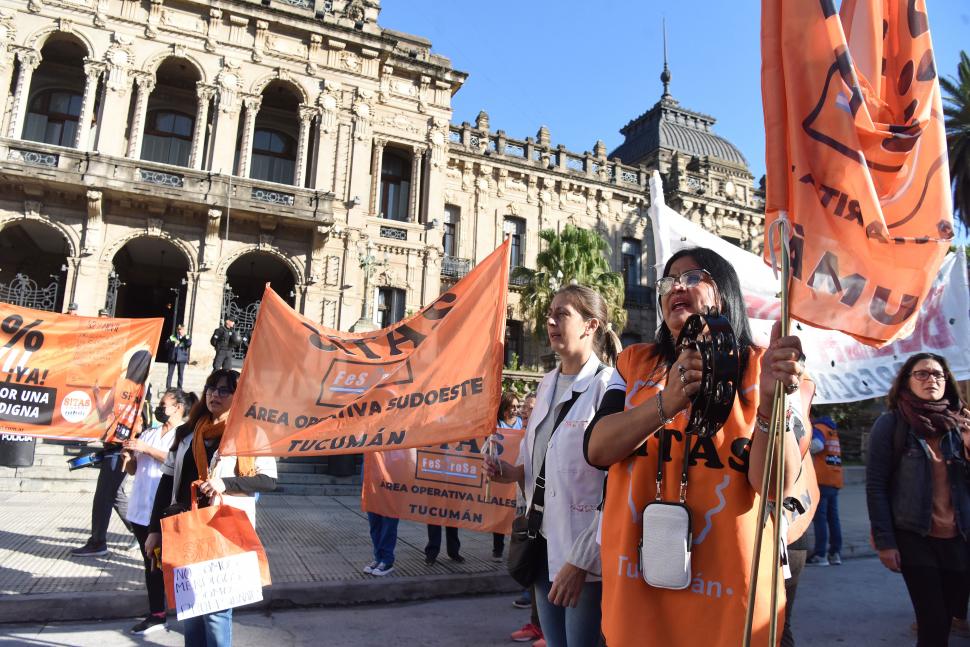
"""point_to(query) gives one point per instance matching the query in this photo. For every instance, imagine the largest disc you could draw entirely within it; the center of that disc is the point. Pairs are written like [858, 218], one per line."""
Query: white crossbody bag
[667, 537]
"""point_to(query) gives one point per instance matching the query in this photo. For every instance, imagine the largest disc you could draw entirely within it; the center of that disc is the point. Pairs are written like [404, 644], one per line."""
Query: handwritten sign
[217, 584]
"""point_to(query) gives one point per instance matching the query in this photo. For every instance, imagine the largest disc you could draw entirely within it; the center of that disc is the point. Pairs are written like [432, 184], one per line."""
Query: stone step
[300, 468]
[318, 490]
[318, 479]
[51, 472]
[20, 484]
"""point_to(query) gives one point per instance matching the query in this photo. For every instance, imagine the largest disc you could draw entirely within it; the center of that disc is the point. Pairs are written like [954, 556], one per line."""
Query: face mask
[161, 415]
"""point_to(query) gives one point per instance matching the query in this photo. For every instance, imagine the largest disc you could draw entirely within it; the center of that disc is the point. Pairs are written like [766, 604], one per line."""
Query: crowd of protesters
[606, 436]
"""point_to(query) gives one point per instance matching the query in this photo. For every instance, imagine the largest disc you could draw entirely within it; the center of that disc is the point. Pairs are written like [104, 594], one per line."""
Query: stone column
[144, 84]
[29, 60]
[6, 75]
[306, 119]
[246, 146]
[414, 199]
[377, 159]
[92, 74]
[325, 153]
[226, 127]
[204, 95]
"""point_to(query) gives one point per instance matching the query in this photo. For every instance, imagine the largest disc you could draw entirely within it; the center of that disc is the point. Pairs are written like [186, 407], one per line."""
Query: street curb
[61, 607]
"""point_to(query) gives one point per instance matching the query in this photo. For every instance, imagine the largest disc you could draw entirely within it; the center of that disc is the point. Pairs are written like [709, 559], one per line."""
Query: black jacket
[899, 483]
[178, 348]
[226, 339]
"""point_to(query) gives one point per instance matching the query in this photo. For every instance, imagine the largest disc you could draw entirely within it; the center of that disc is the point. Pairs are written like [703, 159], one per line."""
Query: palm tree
[957, 111]
[574, 254]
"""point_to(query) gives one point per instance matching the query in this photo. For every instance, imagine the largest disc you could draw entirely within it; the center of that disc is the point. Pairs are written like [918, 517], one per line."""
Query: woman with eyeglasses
[194, 456]
[917, 493]
[641, 425]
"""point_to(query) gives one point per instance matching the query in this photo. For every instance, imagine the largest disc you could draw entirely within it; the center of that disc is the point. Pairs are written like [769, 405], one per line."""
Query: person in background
[72, 309]
[918, 496]
[178, 355]
[508, 418]
[226, 340]
[194, 456]
[526, 600]
[568, 587]
[383, 536]
[148, 452]
[827, 457]
[452, 545]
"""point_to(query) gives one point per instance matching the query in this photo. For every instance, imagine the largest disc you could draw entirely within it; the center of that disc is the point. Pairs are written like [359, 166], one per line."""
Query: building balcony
[455, 268]
[639, 296]
[517, 282]
[38, 164]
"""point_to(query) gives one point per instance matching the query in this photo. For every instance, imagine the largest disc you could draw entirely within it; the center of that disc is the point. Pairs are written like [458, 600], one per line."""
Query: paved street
[859, 604]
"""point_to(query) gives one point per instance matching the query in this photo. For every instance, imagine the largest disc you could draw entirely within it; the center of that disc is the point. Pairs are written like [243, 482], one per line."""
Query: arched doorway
[246, 279]
[33, 265]
[171, 115]
[149, 280]
[56, 93]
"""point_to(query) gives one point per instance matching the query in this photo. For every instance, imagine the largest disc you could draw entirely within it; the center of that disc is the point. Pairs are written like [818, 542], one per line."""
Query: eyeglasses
[221, 391]
[689, 279]
[924, 376]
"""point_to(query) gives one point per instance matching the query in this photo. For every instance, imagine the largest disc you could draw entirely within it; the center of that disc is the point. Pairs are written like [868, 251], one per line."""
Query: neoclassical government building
[170, 157]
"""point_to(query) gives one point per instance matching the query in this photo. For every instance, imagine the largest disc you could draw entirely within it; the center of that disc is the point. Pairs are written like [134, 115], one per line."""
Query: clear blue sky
[584, 69]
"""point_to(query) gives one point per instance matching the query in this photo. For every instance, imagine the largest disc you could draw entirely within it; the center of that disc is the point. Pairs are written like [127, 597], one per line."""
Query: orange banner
[443, 485]
[433, 378]
[856, 155]
[78, 378]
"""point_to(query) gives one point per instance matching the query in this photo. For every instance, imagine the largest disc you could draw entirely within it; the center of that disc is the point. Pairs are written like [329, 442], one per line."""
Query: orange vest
[126, 412]
[828, 462]
[724, 510]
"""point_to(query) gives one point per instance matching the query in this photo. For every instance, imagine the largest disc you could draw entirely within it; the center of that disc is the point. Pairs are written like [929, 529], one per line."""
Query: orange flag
[433, 378]
[856, 155]
[77, 378]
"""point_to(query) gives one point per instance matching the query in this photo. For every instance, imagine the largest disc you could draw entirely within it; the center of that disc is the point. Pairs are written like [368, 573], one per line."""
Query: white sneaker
[370, 567]
[381, 570]
[816, 560]
[835, 559]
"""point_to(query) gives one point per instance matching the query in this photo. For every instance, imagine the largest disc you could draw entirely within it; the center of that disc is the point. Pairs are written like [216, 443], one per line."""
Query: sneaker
[524, 601]
[960, 628]
[835, 559]
[370, 567]
[817, 560]
[539, 643]
[496, 556]
[90, 550]
[429, 560]
[382, 569]
[149, 624]
[528, 632]
[458, 559]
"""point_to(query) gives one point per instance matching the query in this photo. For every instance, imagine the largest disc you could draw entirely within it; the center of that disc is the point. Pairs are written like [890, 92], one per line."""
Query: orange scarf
[207, 430]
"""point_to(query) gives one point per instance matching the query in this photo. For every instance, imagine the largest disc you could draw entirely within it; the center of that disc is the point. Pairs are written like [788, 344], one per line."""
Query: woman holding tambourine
[680, 578]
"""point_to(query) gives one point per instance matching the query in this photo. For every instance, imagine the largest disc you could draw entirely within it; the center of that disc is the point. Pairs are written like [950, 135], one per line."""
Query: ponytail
[590, 304]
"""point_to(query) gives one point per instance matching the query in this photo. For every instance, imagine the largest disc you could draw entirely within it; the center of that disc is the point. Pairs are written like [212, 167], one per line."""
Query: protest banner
[844, 369]
[443, 485]
[69, 377]
[217, 584]
[856, 156]
[433, 378]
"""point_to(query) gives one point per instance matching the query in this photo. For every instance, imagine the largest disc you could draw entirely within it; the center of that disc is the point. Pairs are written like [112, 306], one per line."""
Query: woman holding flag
[568, 587]
[647, 401]
[194, 459]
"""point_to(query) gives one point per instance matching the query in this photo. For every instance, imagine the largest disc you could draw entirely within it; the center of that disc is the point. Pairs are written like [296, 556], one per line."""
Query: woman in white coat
[568, 588]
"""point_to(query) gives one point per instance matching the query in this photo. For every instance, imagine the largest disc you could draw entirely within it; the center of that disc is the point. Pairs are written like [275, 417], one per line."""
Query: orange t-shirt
[724, 510]
[828, 462]
[125, 421]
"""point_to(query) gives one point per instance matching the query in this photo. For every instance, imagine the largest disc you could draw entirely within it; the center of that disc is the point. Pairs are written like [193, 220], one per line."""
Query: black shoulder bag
[527, 548]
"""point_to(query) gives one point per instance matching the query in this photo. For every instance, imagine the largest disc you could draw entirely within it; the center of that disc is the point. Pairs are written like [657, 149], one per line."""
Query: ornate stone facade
[170, 157]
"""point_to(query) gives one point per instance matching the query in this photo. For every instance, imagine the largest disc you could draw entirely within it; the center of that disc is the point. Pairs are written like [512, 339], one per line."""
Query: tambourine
[711, 335]
[92, 459]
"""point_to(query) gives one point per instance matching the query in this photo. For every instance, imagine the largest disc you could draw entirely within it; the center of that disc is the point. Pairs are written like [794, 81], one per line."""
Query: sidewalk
[316, 548]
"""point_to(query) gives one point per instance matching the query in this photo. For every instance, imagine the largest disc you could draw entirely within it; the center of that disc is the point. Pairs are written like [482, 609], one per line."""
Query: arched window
[274, 156]
[168, 137]
[52, 117]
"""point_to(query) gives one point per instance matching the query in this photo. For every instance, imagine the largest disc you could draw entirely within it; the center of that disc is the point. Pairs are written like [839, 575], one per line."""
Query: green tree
[575, 254]
[956, 107]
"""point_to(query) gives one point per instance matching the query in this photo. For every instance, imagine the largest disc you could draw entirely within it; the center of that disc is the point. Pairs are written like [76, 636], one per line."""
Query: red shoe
[539, 643]
[528, 632]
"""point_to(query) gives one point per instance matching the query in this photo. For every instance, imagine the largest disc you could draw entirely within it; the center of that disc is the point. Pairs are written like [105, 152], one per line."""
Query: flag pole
[773, 480]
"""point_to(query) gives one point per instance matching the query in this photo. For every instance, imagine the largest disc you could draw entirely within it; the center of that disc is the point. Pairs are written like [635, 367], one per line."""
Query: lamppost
[369, 263]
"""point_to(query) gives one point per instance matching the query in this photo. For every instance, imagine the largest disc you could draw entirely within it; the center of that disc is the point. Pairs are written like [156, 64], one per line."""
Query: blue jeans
[568, 626]
[383, 534]
[827, 519]
[209, 630]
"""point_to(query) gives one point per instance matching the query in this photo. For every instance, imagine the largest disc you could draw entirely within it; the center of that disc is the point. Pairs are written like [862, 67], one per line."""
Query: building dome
[669, 126]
